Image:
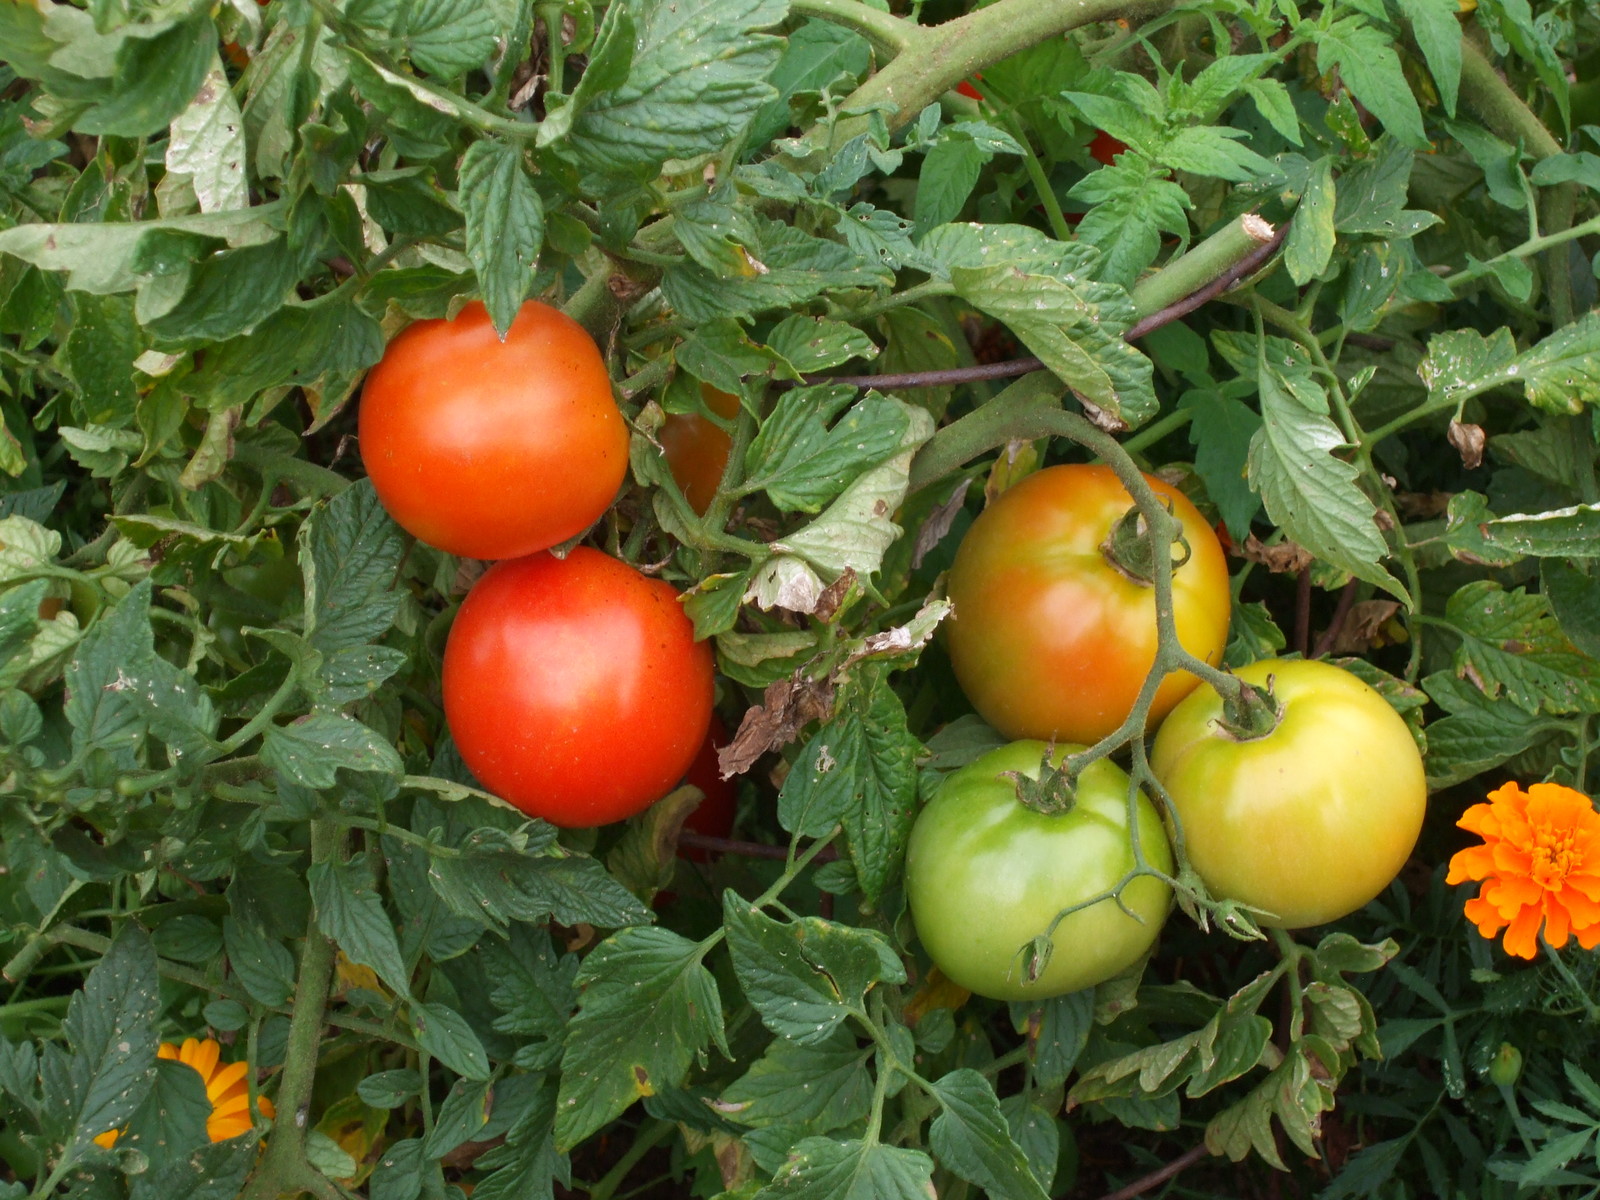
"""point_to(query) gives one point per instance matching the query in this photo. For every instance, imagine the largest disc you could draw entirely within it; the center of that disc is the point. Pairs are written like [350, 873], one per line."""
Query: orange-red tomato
[574, 688]
[966, 89]
[697, 448]
[492, 449]
[1048, 639]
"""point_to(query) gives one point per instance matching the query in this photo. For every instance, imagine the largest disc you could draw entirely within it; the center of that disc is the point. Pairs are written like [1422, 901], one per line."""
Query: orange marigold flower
[1539, 865]
[226, 1088]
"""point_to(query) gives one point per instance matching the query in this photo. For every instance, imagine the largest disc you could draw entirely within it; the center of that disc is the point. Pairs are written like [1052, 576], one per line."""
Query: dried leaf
[1469, 440]
[1364, 626]
[1284, 558]
[787, 707]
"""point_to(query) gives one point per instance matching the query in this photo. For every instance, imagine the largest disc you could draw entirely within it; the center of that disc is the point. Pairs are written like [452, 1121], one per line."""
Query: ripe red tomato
[696, 448]
[1048, 638]
[986, 874]
[1310, 821]
[574, 687]
[1105, 148]
[492, 449]
[966, 89]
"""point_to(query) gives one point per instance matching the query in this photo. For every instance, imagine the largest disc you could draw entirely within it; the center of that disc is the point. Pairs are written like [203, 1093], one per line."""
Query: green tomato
[1309, 822]
[986, 874]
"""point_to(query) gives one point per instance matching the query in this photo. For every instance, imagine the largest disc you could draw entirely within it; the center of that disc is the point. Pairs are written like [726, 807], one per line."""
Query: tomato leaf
[505, 226]
[970, 1136]
[1369, 67]
[1057, 1030]
[349, 553]
[648, 1009]
[823, 1169]
[1511, 644]
[818, 1086]
[261, 962]
[1311, 240]
[1308, 491]
[806, 976]
[445, 1034]
[350, 911]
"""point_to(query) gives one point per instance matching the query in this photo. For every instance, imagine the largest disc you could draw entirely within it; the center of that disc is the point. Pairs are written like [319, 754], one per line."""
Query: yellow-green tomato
[1309, 822]
[986, 874]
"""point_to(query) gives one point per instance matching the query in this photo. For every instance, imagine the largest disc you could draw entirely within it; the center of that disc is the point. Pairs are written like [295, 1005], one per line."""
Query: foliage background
[229, 801]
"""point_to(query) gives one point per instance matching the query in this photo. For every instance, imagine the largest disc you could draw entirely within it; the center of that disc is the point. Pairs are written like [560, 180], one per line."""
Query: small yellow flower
[1539, 865]
[225, 1088]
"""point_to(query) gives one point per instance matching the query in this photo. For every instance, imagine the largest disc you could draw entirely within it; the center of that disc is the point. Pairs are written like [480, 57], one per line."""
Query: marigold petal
[108, 1139]
[1523, 933]
[231, 1106]
[220, 1129]
[1510, 894]
[1588, 937]
[1475, 862]
[1556, 923]
[266, 1107]
[205, 1058]
[1482, 820]
[167, 1050]
[1485, 916]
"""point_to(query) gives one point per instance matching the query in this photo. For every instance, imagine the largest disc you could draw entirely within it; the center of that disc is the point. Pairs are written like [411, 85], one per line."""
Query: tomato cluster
[1303, 814]
[574, 687]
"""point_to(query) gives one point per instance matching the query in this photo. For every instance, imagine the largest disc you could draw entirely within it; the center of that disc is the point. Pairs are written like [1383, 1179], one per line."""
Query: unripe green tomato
[1309, 822]
[986, 874]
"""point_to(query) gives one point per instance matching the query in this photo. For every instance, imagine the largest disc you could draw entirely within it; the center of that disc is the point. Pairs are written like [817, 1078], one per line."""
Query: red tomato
[966, 89]
[714, 817]
[492, 449]
[1048, 638]
[574, 687]
[697, 448]
[1105, 148]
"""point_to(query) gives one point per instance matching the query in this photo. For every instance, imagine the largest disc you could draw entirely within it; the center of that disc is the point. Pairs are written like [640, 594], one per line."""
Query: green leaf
[1366, 1171]
[1221, 432]
[817, 343]
[310, 750]
[950, 170]
[1310, 493]
[1372, 194]
[806, 976]
[1437, 29]
[1562, 373]
[216, 1171]
[207, 144]
[350, 911]
[819, 1086]
[1036, 1132]
[971, 1138]
[823, 1169]
[818, 54]
[1212, 151]
[171, 1122]
[1464, 361]
[1575, 601]
[1512, 645]
[505, 225]
[1309, 248]
[448, 37]
[389, 1089]
[698, 75]
[1133, 203]
[802, 464]
[464, 1112]
[1370, 68]
[111, 1028]
[1273, 103]
[1057, 1032]
[229, 294]
[534, 990]
[1560, 533]
[445, 1034]
[1041, 290]
[154, 79]
[350, 553]
[262, 963]
[648, 1008]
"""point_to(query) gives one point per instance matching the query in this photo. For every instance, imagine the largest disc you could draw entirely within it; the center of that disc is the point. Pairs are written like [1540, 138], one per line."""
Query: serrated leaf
[1133, 204]
[823, 1169]
[648, 1009]
[817, 343]
[1221, 432]
[1463, 360]
[971, 1138]
[505, 225]
[1437, 29]
[1511, 645]
[820, 1086]
[1560, 533]
[1309, 247]
[350, 911]
[697, 76]
[1042, 291]
[806, 976]
[498, 877]
[1367, 62]
[111, 1028]
[445, 1034]
[350, 552]
[802, 464]
[1562, 373]
[310, 751]
[262, 963]
[207, 144]
[1310, 493]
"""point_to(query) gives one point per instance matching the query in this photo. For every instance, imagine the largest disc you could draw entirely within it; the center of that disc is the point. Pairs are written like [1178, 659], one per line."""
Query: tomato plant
[986, 874]
[1310, 821]
[696, 447]
[574, 688]
[488, 448]
[1050, 638]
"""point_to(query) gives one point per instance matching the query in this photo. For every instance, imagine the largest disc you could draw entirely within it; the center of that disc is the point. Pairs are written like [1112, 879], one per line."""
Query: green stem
[1041, 181]
[1488, 94]
[1211, 259]
[911, 295]
[284, 1166]
[946, 54]
[1154, 432]
[269, 712]
[890, 35]
[607, 294]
